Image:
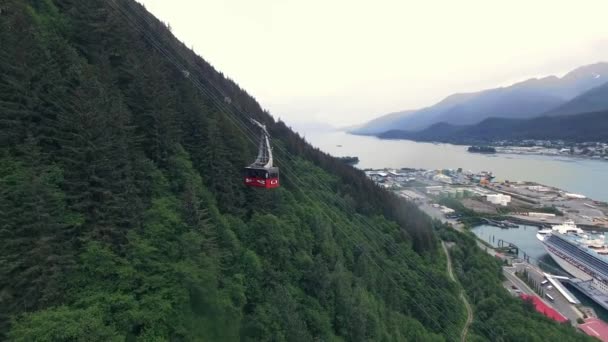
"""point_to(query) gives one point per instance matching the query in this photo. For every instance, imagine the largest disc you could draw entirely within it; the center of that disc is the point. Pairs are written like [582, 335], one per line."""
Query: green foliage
[63, 324]
[498, 315]
[468, 216]
[550, 209]
[123, 215]
[37, 233]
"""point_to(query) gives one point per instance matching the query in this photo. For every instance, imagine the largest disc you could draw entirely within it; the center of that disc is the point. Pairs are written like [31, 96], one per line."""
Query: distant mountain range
[575, 128]
[593, 100]
[582, 90]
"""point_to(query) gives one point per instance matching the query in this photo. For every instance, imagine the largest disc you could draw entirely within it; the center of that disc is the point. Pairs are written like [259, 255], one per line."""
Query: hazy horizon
[343, 63]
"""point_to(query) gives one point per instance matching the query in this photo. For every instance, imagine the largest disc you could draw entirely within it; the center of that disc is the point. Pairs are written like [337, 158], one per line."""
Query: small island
[349, 160]
[481, 149]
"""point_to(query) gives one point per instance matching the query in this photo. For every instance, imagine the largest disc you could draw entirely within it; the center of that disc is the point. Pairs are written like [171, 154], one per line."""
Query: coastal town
[462, 199]
[478, 192]
[591, 150]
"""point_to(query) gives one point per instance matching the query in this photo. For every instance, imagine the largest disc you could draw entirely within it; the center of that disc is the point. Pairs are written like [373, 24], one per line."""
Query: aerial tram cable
[205, 91]
[261, 173]
[390, 244]
[178, 65]
[213, 97]
[345, 234]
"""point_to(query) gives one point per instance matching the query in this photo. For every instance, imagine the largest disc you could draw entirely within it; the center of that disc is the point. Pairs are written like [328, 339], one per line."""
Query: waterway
[525, 239]
[585, 176]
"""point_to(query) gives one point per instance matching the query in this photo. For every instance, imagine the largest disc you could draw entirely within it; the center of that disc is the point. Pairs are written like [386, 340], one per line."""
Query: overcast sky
[345, 62]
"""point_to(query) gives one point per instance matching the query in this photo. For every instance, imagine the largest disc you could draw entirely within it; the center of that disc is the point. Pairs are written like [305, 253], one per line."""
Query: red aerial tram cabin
[262, 174]
[262, 178]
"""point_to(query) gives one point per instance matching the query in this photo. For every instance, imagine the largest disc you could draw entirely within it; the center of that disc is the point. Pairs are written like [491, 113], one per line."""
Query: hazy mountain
[576, 128]
[379, 124]
[124, 217]
[593, 100]
[583, 79]
[525, 99]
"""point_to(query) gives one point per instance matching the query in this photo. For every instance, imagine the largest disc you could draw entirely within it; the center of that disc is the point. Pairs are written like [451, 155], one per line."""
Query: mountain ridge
[525, 99]
[124, 217]
[595, 99]
[571, 128]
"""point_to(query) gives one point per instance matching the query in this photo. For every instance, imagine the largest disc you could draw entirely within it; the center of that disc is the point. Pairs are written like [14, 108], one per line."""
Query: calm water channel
[525, 238]
[589, 177]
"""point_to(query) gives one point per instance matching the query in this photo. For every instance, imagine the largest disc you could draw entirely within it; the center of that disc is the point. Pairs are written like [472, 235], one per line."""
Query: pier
[501, 224]
[555, 281]
[588, 290]
[507, 247]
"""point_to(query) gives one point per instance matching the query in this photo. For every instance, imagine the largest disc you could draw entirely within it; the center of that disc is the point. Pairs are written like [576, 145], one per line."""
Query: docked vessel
[584, 256]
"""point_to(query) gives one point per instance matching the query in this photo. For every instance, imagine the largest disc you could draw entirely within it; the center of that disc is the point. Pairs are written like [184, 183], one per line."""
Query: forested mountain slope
[123, 215]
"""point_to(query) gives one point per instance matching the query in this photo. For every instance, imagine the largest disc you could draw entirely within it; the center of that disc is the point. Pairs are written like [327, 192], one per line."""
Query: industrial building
[499, 199]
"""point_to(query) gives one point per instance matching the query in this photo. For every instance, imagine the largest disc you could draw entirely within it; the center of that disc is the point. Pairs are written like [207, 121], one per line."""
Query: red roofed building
[596, 328]
[543, 308]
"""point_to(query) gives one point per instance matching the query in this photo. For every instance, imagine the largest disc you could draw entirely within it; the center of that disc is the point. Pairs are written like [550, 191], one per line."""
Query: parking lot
[560, 303]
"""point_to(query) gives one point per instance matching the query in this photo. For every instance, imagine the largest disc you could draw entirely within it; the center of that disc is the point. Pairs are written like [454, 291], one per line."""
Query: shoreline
[459, 193]
[500, 149]
[556, 155]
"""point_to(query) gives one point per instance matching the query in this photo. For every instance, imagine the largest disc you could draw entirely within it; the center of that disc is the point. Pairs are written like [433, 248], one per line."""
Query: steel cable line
[354, 242]
[200, 85]
[242, 126]
[195, 81]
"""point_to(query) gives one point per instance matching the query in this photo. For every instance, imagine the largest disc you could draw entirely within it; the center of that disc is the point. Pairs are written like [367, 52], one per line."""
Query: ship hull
[584, 267]
[566, 266]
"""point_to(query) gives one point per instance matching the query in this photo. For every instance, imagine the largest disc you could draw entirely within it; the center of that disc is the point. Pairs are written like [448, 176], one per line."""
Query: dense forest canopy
[123, 215]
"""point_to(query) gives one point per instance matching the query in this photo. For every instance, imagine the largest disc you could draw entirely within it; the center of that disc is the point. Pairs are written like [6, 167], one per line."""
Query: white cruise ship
[584, 256]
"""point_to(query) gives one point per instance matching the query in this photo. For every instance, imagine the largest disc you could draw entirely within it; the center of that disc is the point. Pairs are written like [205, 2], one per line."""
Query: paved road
[560, 303]
[509, 274]
[467, 324]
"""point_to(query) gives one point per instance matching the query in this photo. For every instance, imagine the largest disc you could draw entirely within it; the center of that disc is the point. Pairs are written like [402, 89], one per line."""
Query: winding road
[463, 297]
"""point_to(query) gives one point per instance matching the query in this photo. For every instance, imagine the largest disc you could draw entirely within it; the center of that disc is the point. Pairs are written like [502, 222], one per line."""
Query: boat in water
[584, 255]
